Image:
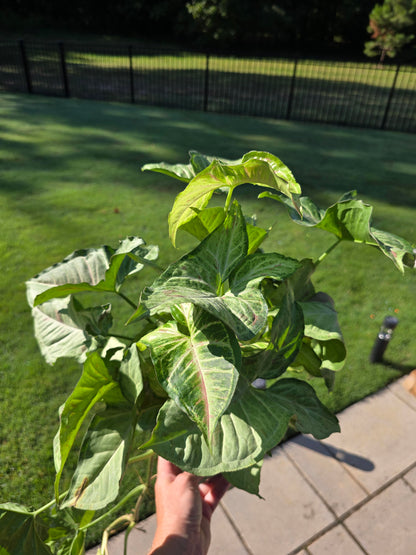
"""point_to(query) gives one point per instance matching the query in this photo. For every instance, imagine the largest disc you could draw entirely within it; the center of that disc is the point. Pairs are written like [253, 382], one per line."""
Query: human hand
[184, 506]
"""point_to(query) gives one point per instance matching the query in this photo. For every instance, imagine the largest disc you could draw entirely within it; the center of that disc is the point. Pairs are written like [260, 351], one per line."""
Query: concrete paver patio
[352, 493]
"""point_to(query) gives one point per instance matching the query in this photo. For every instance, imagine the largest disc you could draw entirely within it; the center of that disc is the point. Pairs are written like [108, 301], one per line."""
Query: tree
[392, 25]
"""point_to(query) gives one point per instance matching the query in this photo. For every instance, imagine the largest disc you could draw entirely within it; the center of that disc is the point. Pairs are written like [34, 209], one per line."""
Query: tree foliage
[392, 27]
[237, 25]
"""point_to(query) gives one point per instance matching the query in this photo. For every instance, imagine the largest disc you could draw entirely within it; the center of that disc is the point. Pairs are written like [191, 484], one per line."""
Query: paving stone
[336, 541]
[379, 430]
[398, 389]
[410, 477]
[328, 475]
[290, 514]
[386, 524]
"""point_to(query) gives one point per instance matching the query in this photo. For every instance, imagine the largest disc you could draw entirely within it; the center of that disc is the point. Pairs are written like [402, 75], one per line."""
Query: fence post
[389, 99]
[131, 74]
[292, 90]
[26, 68]
[206, 83]
[63, 68]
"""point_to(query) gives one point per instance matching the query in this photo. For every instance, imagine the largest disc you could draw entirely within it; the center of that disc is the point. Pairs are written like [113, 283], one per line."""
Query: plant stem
[141, 457]
[106, 534]
[126, 535]
[325, 254]
[228, 199]
[130, 302]
[49, 505]
[136, 512]
[137, 490]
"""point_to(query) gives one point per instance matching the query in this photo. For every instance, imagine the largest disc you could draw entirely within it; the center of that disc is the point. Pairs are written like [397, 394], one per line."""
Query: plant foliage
[209, 329]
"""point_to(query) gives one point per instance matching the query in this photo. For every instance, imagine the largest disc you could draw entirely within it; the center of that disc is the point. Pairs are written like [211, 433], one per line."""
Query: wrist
[172, 544]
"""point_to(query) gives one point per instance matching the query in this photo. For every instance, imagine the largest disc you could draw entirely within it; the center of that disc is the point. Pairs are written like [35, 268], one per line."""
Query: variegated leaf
[200, 277]
[254, 423]
[257, 168]
[197, 364]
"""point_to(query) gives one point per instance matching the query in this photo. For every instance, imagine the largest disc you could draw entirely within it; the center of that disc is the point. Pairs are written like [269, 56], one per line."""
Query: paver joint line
[339, 520]
[236, 529]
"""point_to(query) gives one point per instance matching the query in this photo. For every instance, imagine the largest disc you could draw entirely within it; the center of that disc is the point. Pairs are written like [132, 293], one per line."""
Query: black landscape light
[383, 338]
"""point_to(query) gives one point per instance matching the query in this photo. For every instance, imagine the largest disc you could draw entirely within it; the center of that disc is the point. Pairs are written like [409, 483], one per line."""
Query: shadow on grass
[69, 137]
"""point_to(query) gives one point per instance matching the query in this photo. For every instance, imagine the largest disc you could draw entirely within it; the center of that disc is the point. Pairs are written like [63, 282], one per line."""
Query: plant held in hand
[183, 383]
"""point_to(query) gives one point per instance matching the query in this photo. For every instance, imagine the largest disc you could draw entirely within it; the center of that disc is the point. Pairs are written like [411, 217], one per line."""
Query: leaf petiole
[50, 504]
[137, 490]
[147, 454]
[325, 254]
[125, 298]
[228, 199]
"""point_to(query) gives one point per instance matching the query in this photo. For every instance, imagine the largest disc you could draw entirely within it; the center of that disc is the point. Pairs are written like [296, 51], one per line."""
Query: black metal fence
[347, 93]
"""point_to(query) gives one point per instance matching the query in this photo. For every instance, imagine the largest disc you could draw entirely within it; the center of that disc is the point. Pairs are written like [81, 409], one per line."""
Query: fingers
[213, 490]
[166, 470]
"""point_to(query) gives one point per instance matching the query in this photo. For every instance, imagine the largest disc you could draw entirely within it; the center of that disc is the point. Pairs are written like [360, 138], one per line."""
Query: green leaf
[247, 479]
[349, 219]
[399, 250]
[285, 340]
[308, 359]
[94, 383]
[78, 544]
[257, 168]
[254, 423]
[259, 266]
[63, 328]
[22, 532]
[102, 460]
[197, 366]
[200, 278]
[256, 236]
[130, 375]
[184, 172]
[102, 269]
[321, 324]
[205, 222]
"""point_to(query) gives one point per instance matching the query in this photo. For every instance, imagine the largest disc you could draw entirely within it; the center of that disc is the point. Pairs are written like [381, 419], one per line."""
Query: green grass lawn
[69, 179]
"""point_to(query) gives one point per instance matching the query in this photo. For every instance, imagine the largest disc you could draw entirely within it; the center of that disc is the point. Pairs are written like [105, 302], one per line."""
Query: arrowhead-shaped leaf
[21, 532]
[197, 364]
[257, 168]
[94, 383]
[349, 219]
[285, 340]
[399, 250]
[199, 278]
[102, 269]
[102, 460]
[254, 423]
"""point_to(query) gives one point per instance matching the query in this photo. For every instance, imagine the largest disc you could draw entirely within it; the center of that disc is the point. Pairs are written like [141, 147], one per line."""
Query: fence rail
[346, 93]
